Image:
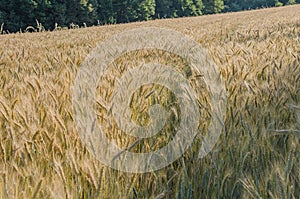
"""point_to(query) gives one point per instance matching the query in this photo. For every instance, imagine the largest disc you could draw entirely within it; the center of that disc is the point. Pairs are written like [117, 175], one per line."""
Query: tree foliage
[213, 6]
[19, 14]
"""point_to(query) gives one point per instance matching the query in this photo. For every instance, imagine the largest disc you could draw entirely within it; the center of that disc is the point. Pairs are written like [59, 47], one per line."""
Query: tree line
[17, 15]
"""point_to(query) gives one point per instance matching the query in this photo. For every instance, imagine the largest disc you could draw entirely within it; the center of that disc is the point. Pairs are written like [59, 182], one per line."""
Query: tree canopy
[16, 15]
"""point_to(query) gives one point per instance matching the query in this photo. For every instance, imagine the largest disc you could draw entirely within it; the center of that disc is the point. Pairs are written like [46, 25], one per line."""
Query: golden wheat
[41, 155]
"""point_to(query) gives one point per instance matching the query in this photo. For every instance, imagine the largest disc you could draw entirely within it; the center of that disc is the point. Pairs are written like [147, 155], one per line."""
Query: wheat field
[257, 155]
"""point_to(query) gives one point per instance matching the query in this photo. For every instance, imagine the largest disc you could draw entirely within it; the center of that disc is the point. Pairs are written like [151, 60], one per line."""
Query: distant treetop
[17, 15]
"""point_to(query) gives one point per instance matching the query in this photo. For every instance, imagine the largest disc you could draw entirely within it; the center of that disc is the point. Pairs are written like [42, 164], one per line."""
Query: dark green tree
[189, 8]
[105, 12]
[43, 12]
[58, 13]
[17, 14]
[198, 7]
[165, 9]
[145, 9]
[235, 5]
[122, 10]
[80, 11]
[213, 6]
[133, 10]
[253, 4]
[232, 5]
[288, 2]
